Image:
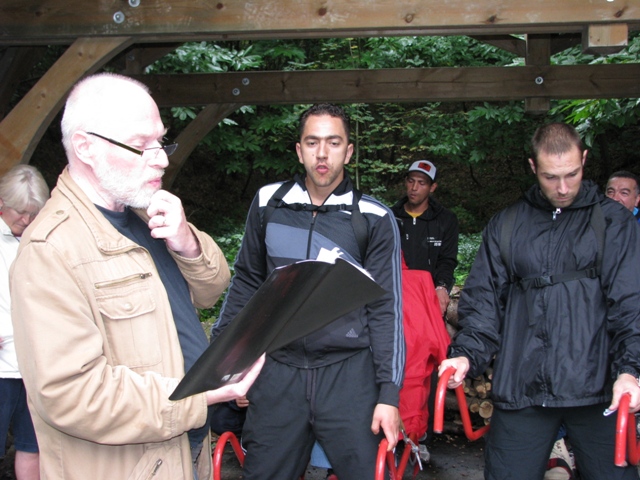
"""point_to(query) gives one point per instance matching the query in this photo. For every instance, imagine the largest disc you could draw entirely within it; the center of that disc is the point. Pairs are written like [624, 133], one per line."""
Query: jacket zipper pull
[556, 212]
[156, 467]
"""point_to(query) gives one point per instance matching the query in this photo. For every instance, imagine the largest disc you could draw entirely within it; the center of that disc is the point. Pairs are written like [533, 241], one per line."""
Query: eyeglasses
[168, 149]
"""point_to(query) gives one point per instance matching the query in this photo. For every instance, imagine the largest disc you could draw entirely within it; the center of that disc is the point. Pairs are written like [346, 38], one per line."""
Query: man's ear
[82, 147]
[299, 152]
[434, 185]
[349, 153]
[584, 157]
[532, 165]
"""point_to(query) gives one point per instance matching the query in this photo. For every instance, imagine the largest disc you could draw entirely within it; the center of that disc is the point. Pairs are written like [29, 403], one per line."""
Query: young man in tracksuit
[339, 385]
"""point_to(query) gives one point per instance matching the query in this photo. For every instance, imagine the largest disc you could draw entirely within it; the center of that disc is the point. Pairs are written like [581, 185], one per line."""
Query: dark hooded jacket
[561, 345]
[430, 241]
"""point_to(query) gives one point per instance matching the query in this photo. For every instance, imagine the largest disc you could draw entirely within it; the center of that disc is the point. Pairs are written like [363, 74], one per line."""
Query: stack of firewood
[477, 390]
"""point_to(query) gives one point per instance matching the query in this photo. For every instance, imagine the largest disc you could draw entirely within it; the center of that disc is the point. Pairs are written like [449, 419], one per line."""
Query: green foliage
[468, 246]
[230, 244]
[205, 57]
[480, 148]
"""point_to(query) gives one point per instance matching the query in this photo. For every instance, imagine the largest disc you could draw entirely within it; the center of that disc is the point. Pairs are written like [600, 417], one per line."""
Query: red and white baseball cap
[424, 166]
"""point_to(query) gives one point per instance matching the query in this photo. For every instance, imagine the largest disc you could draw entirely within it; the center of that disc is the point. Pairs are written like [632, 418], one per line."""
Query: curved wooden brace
[23, 127]
[189, 138]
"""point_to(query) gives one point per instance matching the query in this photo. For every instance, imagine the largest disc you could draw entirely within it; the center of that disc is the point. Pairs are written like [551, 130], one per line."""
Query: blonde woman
[23, 192]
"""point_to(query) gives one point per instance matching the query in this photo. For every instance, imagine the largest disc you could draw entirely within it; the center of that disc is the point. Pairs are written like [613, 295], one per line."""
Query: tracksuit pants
[290, 408]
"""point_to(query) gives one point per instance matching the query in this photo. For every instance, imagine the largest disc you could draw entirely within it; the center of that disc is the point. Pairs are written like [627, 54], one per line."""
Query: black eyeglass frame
[168, 149]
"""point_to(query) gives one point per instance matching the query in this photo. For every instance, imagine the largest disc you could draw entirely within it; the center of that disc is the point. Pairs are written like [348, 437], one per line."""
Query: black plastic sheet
[293, 302]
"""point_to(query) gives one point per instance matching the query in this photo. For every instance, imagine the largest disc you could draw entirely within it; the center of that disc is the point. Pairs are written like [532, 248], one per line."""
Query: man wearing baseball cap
[429, 241]
[429, 231]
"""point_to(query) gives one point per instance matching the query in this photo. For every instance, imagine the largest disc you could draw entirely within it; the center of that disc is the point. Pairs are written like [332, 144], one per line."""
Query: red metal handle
[218, 452]
[441, 392]
[381, 460]
[396, 472]
[626, 441]
[438, 411]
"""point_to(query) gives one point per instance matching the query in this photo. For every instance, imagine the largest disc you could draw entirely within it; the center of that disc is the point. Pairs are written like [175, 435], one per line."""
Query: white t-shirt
[8, 251]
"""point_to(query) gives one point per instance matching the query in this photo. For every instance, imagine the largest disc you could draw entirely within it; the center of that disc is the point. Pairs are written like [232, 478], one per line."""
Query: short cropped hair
[88, 100]
[555, 139]
[23, 187]
[325, 109]
[625, 174]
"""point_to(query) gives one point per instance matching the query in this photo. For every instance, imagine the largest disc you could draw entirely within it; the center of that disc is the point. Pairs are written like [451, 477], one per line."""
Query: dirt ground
[453, 457]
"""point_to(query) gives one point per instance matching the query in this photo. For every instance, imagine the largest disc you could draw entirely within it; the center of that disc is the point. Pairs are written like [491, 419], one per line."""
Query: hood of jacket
[588, 195]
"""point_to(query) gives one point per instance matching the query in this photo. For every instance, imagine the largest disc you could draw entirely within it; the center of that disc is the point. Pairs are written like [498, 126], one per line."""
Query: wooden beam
[539, 55]
[509, 43]
[191, 136]
[23, 127]
[134, 60]
[62, 21]
[605, 39]
[518, 46]
[397, 85]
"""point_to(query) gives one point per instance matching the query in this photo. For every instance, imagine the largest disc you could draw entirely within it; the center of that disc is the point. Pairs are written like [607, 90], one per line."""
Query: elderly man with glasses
[105, 285]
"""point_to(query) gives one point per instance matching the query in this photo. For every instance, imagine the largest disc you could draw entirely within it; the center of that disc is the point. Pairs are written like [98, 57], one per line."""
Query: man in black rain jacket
[559, 313]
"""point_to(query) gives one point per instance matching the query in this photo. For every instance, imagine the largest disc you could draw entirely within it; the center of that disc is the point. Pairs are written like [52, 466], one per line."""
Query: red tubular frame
[438, 413]
[626, 441]
[388, 459]
[218, 452]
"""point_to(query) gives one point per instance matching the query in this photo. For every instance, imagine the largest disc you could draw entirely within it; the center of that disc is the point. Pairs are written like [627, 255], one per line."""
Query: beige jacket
[98, 348]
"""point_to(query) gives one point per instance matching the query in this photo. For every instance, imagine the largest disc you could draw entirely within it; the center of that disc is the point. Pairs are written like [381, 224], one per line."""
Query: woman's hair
[22, 187]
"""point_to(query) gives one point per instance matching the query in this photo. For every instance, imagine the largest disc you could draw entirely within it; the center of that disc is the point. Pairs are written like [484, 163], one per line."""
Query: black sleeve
[621, 285]
[482, 305]
[448, 254]
[384, 315]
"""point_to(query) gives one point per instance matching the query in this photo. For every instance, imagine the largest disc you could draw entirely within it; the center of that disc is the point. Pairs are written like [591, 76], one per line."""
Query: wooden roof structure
[133, 33]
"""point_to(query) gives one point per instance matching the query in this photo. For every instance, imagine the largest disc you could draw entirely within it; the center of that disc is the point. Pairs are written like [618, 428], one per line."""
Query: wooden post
[538, 53]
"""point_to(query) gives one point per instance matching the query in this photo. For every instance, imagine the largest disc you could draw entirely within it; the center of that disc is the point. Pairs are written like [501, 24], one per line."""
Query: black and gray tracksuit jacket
[291, 236]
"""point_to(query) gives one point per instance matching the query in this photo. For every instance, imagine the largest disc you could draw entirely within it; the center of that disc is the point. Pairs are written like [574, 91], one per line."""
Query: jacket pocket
[129, 312]
[159, 463]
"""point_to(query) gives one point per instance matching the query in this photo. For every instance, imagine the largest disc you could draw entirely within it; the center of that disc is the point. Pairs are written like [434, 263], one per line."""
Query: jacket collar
[588, 195]
[435, 208]
[107, 238]
[5, 229]
[345, 186]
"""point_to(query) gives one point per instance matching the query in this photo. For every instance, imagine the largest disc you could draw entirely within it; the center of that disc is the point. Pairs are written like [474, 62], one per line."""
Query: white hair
[23, 187]
[89, 101]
